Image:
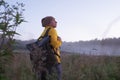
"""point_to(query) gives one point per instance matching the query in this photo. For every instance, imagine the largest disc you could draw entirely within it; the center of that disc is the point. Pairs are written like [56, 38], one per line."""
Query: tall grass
[74, 67]
[20, 68]
[84, 67]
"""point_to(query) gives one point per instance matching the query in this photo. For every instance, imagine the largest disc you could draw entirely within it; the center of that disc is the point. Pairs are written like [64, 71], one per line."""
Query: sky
[76, 19]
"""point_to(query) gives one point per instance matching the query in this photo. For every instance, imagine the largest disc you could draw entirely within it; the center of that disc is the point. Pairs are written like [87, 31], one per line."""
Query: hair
[46, 21]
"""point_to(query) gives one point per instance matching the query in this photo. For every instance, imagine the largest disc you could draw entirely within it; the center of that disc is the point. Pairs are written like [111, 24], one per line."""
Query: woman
[55, 42]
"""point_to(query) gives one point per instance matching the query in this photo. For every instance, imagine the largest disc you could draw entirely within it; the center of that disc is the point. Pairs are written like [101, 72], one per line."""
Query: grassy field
[83, 67]
[75, 67]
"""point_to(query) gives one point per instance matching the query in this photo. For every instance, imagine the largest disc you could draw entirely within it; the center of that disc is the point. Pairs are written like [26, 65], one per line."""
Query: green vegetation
[75, 67]
[11, 16]
[83, 67]
[19, 68]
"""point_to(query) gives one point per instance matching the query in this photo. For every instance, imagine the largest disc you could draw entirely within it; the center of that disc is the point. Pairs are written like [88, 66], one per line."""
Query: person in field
[49, 22]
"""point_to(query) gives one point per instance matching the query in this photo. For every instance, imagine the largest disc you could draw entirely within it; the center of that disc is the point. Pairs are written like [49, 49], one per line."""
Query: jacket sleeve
[55, 43]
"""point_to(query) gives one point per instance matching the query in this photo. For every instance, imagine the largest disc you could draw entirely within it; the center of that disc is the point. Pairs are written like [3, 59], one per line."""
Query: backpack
[42, 54]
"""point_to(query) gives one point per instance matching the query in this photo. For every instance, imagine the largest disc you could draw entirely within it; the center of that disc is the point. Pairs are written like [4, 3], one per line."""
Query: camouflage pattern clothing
[41, 58]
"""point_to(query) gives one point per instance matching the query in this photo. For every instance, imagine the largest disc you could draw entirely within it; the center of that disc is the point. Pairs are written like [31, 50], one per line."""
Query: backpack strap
[46, 34]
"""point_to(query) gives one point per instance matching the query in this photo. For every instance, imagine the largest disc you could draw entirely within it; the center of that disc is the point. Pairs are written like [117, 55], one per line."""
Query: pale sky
[77, 19]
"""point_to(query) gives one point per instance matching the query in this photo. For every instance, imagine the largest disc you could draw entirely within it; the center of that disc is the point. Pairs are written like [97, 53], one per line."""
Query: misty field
[74, 66]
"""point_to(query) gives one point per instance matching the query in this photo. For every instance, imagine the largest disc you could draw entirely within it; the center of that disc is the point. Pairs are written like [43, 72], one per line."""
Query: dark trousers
[57, 69]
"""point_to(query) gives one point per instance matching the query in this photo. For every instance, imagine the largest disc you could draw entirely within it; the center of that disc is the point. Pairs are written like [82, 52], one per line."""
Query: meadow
[74, 66]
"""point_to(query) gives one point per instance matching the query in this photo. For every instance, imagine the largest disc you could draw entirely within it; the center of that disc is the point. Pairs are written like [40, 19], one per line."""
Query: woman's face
[53, 23]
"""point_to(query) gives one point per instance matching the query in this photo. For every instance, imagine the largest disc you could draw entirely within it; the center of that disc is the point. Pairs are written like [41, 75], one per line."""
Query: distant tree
[11, 16]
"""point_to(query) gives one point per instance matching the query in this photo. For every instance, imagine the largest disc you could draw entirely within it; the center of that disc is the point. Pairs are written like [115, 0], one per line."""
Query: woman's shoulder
[52, 29]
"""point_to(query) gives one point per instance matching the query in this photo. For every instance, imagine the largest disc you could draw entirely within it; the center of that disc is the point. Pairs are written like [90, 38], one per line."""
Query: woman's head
[49, 21]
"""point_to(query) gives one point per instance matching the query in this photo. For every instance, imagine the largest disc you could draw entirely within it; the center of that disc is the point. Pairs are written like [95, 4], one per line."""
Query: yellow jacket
[55, 43]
